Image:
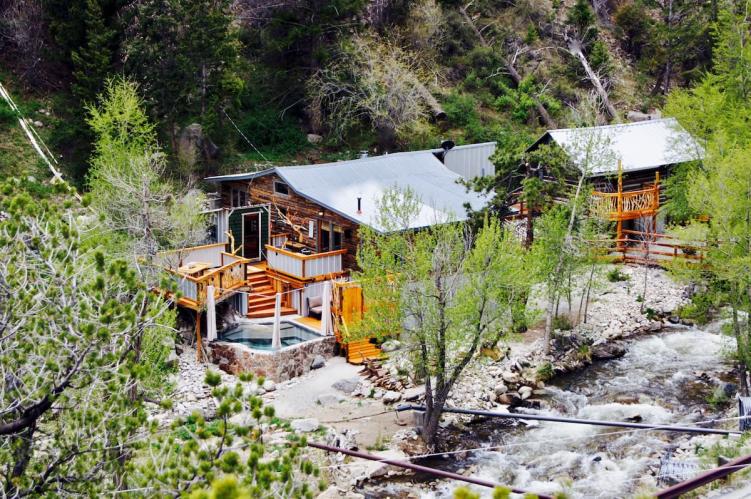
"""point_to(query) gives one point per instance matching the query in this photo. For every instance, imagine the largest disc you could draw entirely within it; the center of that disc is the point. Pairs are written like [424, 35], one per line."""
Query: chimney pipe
[359, 206]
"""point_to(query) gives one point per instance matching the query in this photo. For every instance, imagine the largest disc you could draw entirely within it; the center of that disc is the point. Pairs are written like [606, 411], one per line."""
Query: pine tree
[93, 60]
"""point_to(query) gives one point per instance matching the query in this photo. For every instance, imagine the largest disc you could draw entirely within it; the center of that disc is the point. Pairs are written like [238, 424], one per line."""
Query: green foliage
[461, 109]
[562, 322]
[678, 208]
[615, 275]
[416, 275]
[267, 127]
[7, 115]
[520, 101]
[78, 383]
[599, 58]
[582, 19]
[635, 28]
[185, 55]
[92, 62]
[699, 310]
[545, 371]
[718, 398]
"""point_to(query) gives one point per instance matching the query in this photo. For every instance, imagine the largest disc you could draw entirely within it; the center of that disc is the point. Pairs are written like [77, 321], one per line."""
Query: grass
[615, 275]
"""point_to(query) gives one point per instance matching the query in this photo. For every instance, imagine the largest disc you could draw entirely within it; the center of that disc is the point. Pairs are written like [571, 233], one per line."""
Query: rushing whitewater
[651, 383]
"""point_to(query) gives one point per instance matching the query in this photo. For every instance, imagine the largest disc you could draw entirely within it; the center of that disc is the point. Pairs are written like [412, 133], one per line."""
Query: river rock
[318, 362]
[509, 399]
[390, 346]
[305, 425]
[525, 392]
[500, 389]
[328, 399]
[605, 351]
[510, 377]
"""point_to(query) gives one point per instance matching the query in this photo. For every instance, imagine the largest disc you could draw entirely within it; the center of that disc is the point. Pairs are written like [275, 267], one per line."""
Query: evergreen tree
[185, 55]
[92, 62]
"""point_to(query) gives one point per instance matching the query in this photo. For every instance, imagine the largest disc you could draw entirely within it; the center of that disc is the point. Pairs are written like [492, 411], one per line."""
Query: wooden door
[252, 236]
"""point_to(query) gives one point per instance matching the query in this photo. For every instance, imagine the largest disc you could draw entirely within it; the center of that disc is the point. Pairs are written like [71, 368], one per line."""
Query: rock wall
[285, 364]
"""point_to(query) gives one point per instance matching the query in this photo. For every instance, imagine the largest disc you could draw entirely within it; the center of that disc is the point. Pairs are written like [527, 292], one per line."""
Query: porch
[300, 263]
[195, 269]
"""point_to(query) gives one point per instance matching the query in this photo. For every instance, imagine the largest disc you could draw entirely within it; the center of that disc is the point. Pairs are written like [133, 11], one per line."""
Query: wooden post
[619, 209]
[656, 205]
[199, 350]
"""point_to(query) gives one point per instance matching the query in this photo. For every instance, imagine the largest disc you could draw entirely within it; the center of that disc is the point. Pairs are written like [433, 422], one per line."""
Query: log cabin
[300, 223]
[624, 163]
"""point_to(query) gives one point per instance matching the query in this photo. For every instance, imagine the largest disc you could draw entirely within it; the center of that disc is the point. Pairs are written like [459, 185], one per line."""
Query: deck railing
[230, 276]
[304, 267]
[626, 205]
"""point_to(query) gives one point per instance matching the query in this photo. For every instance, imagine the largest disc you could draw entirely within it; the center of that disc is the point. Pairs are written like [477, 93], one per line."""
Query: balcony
[619, 206]
[297, 261]
[195, 269]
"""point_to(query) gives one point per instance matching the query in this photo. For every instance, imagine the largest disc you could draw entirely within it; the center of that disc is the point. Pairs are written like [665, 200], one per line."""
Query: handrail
[648, 190]
[192, 248]
[300, 256]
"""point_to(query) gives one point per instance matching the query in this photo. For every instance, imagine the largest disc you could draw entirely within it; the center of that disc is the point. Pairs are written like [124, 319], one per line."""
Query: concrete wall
[287, 363]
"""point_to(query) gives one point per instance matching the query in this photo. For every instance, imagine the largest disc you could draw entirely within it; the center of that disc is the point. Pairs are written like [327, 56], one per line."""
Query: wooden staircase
[262, 297]
[361, 350]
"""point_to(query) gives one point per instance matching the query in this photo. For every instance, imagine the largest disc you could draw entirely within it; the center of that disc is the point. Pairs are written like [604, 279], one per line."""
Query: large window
[331, 237]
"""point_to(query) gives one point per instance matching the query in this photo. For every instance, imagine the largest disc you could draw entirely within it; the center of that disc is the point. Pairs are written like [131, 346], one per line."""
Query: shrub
[615, 275]
[461, 109]
[698, 311]
[7, 115]
[545, 371]
[562, 322]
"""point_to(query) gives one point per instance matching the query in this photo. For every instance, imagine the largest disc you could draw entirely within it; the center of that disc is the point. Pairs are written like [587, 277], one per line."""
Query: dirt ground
[312, 396]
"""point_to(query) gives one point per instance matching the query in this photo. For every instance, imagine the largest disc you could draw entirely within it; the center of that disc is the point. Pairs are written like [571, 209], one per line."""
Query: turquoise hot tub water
[258, 336]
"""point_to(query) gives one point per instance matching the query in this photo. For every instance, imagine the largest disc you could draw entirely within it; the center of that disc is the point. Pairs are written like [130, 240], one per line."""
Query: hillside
[308, 80]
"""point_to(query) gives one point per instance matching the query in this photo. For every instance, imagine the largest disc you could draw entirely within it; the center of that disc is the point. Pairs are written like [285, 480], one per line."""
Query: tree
[71, 318]
[127, 178]
[185, 55]
[444, 288]
[92, 62]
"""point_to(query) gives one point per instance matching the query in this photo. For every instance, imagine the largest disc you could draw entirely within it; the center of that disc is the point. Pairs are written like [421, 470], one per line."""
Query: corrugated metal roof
[338, 185]
[639, 146]
[471, 160]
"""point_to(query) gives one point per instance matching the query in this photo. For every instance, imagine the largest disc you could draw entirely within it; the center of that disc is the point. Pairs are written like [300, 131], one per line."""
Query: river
[657, 381]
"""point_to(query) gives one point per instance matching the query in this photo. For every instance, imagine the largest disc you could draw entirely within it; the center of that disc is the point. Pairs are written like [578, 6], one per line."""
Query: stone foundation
[287, 363]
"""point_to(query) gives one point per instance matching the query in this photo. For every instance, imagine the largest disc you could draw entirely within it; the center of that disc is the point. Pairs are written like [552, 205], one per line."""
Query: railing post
[619, 208]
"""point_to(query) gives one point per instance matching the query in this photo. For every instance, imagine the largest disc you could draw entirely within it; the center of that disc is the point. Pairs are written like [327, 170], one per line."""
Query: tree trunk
[575, 48]
[24, 448]
[544, 115]
[432, 418]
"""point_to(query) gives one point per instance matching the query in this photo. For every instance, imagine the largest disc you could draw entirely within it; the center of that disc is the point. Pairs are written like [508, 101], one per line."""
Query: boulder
[318, 362]
[347, 385]
[605, 351]
[391, 397]
[269, 385]
[193, 145]
[390, 346]
[500, 389]
[411, 394]
[328, 399]
[314, 138]
[305, 425]
[510, 377]
[509, 399]
[525, 392]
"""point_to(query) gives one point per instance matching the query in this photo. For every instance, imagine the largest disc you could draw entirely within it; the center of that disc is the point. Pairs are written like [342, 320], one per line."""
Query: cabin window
[281, 188]
[331, 237]
[239, 198]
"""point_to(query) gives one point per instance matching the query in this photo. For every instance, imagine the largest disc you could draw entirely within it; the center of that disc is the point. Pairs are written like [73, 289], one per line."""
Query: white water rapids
[650, 383]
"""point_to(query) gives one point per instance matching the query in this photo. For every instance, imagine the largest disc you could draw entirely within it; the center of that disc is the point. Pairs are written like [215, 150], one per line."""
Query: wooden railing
[649, 248]
[279, 240]
[226, 279]
[304, 267]
[626, 205]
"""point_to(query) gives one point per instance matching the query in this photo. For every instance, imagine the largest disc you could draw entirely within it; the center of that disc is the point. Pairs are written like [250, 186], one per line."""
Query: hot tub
[258, 336]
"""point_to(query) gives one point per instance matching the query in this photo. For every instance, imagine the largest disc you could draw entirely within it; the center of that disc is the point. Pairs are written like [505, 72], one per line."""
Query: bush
[7, 115]
[698, 311]
[266, 129]
[461, 109]
[545, 371]
[615, 275]
[562, 322]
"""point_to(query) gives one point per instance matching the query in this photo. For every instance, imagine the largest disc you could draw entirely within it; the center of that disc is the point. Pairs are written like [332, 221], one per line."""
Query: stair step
[269, 312]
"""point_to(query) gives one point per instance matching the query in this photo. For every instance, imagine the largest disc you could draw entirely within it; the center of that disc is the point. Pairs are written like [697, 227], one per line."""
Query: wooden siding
[300, 211]
[236, 225]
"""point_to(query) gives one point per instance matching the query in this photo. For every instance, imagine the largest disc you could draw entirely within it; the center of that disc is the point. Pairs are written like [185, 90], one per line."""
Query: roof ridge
[618, 125]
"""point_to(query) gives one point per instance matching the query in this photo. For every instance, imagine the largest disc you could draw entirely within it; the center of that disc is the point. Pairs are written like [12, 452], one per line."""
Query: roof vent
[447, 145]
[359, 206]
